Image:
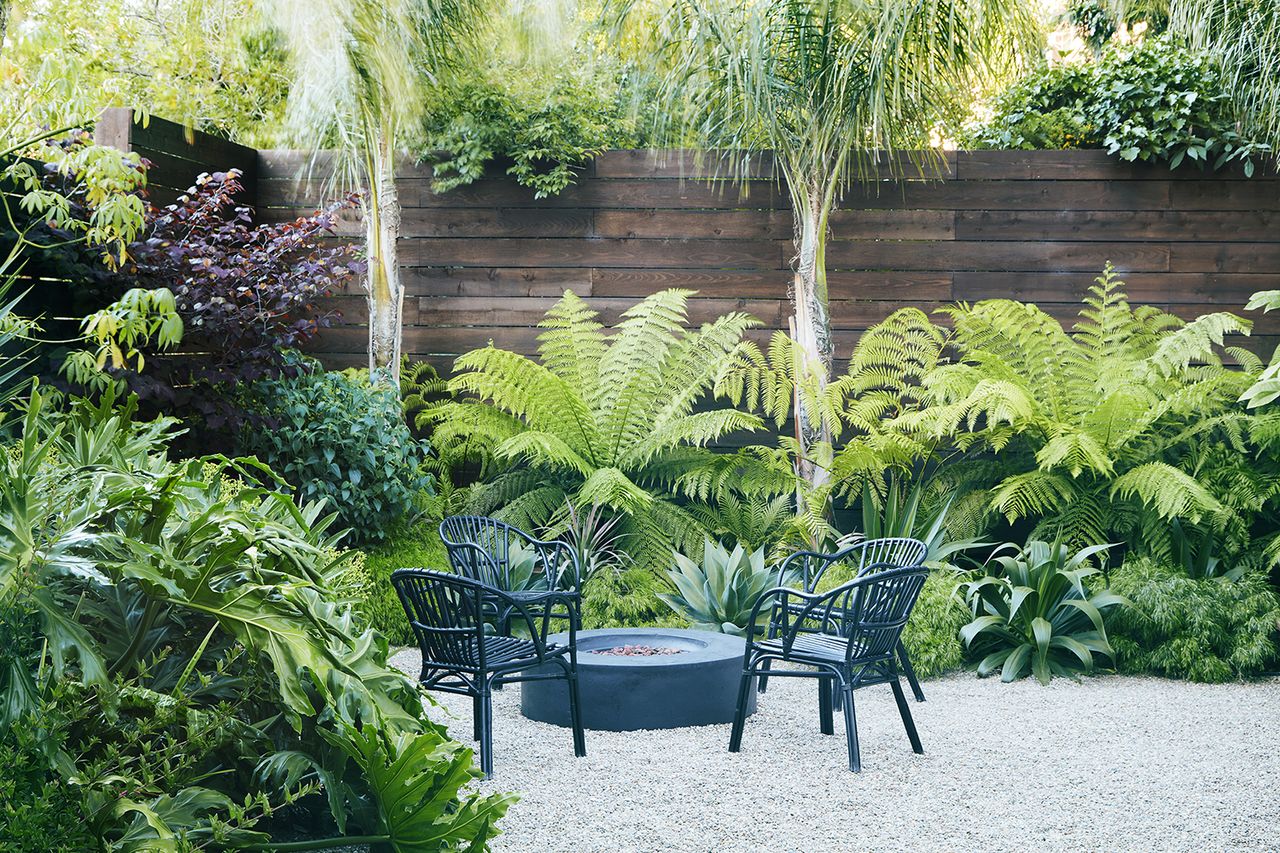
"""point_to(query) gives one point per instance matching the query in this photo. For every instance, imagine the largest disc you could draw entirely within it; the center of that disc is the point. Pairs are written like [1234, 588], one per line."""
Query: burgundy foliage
[247, 294]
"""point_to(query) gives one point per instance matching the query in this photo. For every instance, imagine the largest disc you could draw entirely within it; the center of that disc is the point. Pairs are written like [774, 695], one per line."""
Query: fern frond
[1031, 494]
[1077, 452]
[611, 487]
[1171, 492]
[1194, 342]
[573, 345]
[542, 448]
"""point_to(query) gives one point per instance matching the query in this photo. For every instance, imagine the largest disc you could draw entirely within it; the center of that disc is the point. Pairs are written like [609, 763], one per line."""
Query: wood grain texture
[485, 261]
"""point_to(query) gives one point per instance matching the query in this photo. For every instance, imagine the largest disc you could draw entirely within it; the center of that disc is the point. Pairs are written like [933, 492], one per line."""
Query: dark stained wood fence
[177, 154]
[485, 261]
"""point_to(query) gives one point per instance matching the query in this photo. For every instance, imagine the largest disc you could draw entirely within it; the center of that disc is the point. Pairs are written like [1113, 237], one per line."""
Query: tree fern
[604, 419]
[1107, 413]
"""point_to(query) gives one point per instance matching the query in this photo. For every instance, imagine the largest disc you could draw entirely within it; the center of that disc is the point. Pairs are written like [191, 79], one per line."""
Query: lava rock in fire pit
[638, 651]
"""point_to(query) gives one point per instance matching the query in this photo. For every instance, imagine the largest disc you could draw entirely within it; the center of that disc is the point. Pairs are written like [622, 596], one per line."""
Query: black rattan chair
[806, 568]
[480, 548]
[453, 617]
[848, 635]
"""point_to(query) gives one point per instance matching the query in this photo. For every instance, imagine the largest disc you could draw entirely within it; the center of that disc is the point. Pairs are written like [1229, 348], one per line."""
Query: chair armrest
[557, 545]
[532, 610]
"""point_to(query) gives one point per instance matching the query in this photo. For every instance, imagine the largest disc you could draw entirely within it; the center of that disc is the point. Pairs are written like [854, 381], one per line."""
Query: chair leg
[476, 712]
[740, 713]
[575, 710]
[825, 717]
[909, 672]
[851, 729]
[762, 682]
[905, 711]
[486, 730]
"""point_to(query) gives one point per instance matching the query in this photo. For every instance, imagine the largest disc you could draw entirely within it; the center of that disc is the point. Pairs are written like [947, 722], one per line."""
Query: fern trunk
[384, 288]
[812, 330]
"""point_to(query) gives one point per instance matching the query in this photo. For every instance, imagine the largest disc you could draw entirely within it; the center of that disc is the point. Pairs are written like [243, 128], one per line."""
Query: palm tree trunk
[382, 230]
[812, 325]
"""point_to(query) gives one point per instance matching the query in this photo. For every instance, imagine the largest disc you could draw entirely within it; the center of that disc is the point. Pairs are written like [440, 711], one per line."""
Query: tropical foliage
[1034, 613]
[821, 84]
[1092, 427]
[718, 593]
[171, 632]
[1154, 102]
[599, 420]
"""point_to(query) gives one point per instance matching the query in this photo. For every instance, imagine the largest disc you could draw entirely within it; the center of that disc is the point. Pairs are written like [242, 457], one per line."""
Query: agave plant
[718, 593]
[1035, 613]
[599, 419]
[898, 513]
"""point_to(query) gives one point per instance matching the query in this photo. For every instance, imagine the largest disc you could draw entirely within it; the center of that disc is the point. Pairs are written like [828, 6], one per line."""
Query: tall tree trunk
[812, 326]
[382, 230]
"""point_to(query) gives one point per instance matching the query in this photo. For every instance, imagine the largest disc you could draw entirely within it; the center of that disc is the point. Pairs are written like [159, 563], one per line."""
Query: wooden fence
[177, 154]
[484, 262]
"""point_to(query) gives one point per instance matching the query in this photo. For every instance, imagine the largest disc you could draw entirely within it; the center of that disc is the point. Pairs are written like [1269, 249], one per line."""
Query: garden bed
[1110, 763]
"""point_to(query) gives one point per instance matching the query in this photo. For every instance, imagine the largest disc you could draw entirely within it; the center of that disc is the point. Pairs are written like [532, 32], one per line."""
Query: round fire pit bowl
[645, 678]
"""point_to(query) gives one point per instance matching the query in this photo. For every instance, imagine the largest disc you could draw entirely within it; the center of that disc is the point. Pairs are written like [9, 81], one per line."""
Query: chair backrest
[447, 613]
[483, 549]
[877, 609]
[868, 555]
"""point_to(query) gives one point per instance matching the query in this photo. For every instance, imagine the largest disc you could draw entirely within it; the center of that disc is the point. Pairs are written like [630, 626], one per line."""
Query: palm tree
[360, 72]
[825, 85]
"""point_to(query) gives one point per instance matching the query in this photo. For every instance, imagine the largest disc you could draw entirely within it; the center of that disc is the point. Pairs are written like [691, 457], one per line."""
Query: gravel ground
[1111, 763]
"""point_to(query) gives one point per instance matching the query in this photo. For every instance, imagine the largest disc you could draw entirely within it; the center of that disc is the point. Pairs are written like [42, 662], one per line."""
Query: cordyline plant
[246, 293]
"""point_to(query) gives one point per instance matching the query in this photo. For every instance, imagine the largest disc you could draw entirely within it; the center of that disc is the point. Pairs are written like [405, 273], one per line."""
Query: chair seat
[822, 647]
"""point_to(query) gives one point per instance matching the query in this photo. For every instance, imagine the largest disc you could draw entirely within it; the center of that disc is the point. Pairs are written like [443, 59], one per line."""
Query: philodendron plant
[1034, 612]
[718, 593]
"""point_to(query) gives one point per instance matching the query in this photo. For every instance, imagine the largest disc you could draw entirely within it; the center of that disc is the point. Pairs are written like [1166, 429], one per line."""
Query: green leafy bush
[547, 137]
[932, 635]
[340, 438]
[719, 593]
[201, 683]
[1154, 102]
[1201, 629]
[627, 598]
[408, 545]
[598, 420]
[1034, 613]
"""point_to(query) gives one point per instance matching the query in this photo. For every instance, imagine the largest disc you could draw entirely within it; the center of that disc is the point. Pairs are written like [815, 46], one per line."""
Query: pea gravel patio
[1111, 763]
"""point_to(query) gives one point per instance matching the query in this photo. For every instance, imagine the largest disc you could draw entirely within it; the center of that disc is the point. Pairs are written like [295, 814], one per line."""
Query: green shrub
[1201, 629]
[339, 438]
[932, 635]
[627, 599]
[1034, 614]
[547, 137]
[1155, 102]
[185, 642]
[718, 593]
[414, 545]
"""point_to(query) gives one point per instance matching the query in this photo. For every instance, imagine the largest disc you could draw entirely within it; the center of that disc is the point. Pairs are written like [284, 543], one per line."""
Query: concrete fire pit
[645, 678]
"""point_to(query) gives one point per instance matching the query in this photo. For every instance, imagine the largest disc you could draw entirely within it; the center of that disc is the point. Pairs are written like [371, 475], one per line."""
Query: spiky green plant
[1092, 424]
[1035, 613]
[600, 419]
[719, 593]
